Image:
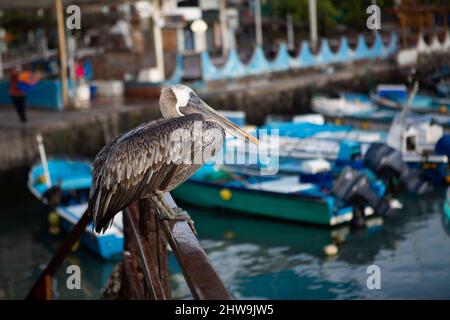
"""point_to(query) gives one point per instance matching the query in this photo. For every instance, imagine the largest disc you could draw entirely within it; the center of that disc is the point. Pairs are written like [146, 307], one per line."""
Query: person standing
[18, 84]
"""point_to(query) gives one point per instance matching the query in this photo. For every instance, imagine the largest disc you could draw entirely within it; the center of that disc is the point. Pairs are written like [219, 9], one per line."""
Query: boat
[382, 119]
[422, 142]
[71, 179]
[415, 164]
[306, 198]
[443, 87]
[417, 140]
[384, 167]
[342, 105]
[439, 81]
[378, 110]
[324, 131]
[395, 96]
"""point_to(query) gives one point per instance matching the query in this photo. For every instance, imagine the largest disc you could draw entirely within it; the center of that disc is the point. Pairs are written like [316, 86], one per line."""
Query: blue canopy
[258, 63]
[325, 55]
[282, 60]
[305, 57]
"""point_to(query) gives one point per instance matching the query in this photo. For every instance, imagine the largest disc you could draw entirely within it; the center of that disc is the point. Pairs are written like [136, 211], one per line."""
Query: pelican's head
[180, 100]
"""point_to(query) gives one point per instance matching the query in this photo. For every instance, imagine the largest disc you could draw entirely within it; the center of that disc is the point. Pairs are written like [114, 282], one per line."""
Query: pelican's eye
[194, 100]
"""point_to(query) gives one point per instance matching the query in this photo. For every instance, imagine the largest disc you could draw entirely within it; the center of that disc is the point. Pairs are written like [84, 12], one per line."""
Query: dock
[76, 132]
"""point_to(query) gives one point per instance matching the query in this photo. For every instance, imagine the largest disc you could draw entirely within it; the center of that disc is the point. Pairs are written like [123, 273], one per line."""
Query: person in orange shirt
[18, 84]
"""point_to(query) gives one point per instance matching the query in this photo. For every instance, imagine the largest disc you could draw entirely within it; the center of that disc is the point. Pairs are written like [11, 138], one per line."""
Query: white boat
[343, 105]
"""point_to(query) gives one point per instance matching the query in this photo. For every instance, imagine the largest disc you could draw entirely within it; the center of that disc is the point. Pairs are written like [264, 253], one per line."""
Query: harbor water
[256, 258]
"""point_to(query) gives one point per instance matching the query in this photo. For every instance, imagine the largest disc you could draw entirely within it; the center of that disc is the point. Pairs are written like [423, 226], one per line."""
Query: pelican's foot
[166, 212]
[182, 215]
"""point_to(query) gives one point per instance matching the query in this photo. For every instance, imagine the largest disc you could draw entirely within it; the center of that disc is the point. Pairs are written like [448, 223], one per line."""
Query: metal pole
[290, 32]
[157, 35]
[1, 51]
[1, 64]
[313, 23]
[258, 26]
[71, 57]
[224, 27]
[44, 163]
[62, 49]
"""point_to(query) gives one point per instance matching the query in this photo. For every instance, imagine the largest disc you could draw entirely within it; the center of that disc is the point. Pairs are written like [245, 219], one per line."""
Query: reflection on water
[26, 246]
[256, 258]
[275, 260]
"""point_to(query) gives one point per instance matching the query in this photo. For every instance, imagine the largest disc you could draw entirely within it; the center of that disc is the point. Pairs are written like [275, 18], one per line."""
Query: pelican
[156, 157]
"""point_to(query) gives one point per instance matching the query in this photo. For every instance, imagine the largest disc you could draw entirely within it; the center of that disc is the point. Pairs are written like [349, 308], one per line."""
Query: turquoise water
[257, 258]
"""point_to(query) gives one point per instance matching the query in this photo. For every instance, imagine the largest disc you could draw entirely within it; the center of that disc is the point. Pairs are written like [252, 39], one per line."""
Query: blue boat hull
[74, 176]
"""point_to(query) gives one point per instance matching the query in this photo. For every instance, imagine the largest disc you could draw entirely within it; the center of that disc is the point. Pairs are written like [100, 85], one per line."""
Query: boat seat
[283, 185]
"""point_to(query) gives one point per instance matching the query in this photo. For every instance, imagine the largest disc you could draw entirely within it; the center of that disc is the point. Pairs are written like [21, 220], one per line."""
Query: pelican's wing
[135, 164]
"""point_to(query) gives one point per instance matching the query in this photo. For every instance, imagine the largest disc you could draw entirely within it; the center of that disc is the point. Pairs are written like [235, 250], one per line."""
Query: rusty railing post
[145, 268]
[152, 232]
[132, 288]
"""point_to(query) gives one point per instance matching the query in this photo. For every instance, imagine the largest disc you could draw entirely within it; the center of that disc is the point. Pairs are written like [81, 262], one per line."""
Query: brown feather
[121, 170]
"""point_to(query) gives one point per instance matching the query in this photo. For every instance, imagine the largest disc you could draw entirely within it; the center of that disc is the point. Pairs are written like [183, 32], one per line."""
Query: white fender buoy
[330, 250]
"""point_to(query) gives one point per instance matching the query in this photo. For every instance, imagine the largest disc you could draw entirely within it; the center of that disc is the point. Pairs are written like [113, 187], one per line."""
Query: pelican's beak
[226, 124]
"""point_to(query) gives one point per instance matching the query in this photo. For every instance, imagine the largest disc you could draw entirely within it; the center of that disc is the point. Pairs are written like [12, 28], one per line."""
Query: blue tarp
[73, 174]
[303, 129]
[88, 71]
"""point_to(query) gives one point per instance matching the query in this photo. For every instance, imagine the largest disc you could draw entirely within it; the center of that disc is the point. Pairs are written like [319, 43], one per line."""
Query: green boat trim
[447, 205]
[286, 206]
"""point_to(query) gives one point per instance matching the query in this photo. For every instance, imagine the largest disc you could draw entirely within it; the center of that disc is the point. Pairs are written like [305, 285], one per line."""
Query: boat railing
[144, 270]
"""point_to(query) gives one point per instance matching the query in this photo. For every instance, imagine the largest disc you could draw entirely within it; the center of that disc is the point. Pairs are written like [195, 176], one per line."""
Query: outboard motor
[354, 188]
[387, 163]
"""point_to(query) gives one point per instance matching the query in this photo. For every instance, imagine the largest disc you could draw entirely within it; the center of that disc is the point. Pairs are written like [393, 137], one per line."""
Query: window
[188, 3]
